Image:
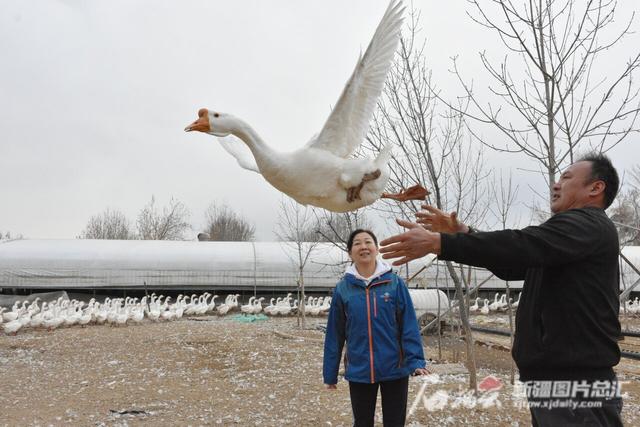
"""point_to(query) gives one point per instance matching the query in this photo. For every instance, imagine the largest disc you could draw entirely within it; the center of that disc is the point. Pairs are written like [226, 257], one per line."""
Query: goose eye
[216, 115]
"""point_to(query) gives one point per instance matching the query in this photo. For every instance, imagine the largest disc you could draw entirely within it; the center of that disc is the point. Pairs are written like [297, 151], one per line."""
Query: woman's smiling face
[364, 249]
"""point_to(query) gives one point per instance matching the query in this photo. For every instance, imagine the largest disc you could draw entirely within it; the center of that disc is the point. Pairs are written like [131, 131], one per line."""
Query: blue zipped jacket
[379, 325]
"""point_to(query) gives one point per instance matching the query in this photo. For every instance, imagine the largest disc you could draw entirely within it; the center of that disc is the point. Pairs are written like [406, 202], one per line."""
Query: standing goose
[249, 307]
[495, 304]
[223, 309]
[13, 314]
[233, 302]
[257, 305]
[12, 327]
[485, 308]
[269, 309]
[322, 173]
[210, 306]
[475, 306]
[515, 304]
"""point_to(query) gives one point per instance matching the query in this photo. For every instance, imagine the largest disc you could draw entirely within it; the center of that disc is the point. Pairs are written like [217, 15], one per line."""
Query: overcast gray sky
[95, 96]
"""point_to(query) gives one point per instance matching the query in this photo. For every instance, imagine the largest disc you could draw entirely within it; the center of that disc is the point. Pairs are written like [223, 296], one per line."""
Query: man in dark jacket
[567, 324]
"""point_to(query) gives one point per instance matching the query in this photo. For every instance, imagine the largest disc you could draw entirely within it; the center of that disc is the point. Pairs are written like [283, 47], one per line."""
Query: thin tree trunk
[301, 304]
[512, 372]
[464, 319]
[551, 168]
[439, 314]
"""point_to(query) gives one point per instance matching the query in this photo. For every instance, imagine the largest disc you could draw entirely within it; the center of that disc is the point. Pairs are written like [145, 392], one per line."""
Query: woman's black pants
[394, 402]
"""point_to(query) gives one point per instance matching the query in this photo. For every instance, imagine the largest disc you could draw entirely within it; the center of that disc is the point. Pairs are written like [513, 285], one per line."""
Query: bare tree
[505, 195]
[223, 224]
[295, 228]
[431, 148]
[110, 225]
[430, 144]
[626, 215]
[626, 211]
[335, 228]
[549, 97]
[170, 224]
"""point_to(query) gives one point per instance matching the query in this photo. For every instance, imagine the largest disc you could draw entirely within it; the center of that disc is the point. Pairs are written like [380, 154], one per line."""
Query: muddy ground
[219, 371]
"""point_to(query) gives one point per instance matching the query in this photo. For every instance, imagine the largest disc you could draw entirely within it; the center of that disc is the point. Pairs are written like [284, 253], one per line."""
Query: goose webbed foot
[353, 193]
[417, 192]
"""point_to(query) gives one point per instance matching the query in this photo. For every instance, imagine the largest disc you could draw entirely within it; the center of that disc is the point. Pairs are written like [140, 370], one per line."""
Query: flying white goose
[323, 173]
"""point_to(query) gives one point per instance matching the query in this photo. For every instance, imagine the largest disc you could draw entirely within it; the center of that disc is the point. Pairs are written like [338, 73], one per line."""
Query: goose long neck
[252, 139]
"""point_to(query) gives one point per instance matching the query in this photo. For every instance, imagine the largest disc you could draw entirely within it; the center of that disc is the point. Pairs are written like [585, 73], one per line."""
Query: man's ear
[597, 188]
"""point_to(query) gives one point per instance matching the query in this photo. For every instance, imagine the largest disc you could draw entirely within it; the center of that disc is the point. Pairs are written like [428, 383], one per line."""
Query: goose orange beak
[202, 124]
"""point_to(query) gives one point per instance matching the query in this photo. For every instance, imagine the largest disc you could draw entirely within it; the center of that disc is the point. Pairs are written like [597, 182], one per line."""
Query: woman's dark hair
[603, 170]
[356, 232]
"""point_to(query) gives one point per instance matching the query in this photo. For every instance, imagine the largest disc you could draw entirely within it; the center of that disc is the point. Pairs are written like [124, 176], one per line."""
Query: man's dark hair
[356, 232]
[602, 170]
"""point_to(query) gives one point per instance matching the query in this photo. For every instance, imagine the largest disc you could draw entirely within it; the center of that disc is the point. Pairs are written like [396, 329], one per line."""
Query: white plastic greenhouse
[426, 301]
[134, 264]
[263, 266]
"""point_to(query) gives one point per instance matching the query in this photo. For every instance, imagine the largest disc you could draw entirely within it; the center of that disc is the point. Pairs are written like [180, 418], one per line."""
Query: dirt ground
[219, 371]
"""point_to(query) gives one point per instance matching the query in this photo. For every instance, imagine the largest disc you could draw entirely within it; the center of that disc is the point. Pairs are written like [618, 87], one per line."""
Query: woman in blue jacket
[372, 311]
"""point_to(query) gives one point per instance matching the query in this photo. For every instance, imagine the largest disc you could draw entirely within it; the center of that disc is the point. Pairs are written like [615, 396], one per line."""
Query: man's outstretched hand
[412, 244]
[433, 219]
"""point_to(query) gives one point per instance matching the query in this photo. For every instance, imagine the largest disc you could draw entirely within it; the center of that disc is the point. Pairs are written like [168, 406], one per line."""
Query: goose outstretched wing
[348, 123]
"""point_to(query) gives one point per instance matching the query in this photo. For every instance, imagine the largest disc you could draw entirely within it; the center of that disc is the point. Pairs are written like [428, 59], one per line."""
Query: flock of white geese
[123, 311]
[499, 304]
